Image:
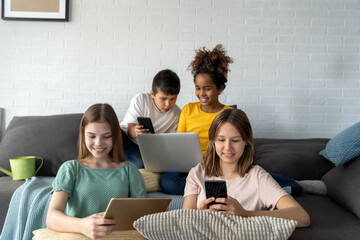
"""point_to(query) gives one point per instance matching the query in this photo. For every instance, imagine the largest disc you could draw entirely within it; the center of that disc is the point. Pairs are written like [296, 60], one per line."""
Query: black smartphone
[146, 122]
[215, 188]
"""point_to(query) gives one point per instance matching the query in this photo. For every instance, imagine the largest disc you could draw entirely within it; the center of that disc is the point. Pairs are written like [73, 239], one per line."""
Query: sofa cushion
[294, 158]
[151, 180]
[54, 138]
[342, 184]
[329, 220]
[344, 146]
[179, 224]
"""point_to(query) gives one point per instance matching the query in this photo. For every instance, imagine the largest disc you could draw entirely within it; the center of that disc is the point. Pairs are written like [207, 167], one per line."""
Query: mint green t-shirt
[90, 189]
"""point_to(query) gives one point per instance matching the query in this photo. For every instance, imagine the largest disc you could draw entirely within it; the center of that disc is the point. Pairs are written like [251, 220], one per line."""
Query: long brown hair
[241, 122]
[102, 112]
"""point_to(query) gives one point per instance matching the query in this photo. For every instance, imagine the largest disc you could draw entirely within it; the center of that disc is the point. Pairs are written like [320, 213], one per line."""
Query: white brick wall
[296, 69]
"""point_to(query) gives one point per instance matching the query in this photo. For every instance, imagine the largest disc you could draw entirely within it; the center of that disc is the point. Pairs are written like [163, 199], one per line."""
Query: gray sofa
[333, 216]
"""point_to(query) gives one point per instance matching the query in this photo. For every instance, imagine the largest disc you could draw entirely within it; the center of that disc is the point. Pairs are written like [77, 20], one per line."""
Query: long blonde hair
[102, 112]
[241, 122]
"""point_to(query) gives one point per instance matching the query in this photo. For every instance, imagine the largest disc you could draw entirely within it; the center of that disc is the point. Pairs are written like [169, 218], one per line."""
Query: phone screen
[215, 188]
[146, 122]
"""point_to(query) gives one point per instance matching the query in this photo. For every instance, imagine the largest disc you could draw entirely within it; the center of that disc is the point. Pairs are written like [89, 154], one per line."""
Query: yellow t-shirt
[193, 119]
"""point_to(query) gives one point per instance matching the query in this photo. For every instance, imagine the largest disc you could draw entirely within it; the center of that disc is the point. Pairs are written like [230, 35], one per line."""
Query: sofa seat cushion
[54, 138]
[298, 159]
[342, 184]
[329, 220]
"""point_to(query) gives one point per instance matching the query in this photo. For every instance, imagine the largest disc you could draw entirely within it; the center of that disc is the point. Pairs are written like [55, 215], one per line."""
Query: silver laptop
[170, 152]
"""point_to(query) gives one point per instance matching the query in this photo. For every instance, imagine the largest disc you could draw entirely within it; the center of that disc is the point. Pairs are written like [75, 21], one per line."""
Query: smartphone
[146, 122]
[215, 188]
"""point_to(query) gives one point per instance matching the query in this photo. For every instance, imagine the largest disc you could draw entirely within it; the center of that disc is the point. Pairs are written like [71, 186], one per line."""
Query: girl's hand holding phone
[229, 206]
[204, 203]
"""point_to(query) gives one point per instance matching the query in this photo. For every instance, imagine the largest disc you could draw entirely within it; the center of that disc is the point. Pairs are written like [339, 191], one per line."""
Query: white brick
[339, 83]
[348, 101]
[15, 42]
[40, 43]
[299, 109]
[327, 22]
[326, 75]
[309, 100]
[329, 40]
[66, 34]
[259, 21]
[47, 60]
[146, 11]
[343, 66]
[352, 39]
[96, 52]
[311, 31]
[355, 92]
[15, 60]
[295, 4]
[275, 100]
[277, 13]
[31, 68]
[179, 11]
[343, 14]
[341, 118]
[313, 83]
[325, 92]
[340, 31]
[199, 37]
[296, 21]
[103, 70]
[79, 60]
[343, 49]
[80, 43]
[179, 28]
[64, 69]
[352, 110]
[245, 13]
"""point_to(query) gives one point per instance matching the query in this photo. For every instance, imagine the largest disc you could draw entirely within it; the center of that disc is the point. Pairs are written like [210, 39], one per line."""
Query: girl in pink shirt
[251, 190]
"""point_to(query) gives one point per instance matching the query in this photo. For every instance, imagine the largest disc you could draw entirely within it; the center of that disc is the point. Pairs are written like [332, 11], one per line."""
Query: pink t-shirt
[257, 190]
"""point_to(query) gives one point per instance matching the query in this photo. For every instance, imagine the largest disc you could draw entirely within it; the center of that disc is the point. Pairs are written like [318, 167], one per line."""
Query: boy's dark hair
[166, 81]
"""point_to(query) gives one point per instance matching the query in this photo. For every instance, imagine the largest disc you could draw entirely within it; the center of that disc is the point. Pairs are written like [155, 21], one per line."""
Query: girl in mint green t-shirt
[83, 188]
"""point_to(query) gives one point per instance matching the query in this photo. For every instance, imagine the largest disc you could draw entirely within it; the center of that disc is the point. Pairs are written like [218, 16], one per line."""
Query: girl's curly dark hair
[215, 63]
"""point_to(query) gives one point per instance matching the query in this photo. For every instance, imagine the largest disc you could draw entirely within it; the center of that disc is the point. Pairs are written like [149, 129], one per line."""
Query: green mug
[22, 167]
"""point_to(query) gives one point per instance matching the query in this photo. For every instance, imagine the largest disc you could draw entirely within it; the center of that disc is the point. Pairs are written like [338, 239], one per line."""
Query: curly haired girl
[210, 69]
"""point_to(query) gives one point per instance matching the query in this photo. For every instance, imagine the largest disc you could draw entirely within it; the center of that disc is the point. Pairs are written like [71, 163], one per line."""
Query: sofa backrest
[54, 138]
[294, 158]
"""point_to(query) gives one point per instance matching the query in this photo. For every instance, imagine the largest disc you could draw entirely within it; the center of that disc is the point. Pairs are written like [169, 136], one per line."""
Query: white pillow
[197, 224]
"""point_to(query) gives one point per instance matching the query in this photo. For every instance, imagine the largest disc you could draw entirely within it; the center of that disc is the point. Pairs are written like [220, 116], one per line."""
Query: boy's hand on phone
[139, 129]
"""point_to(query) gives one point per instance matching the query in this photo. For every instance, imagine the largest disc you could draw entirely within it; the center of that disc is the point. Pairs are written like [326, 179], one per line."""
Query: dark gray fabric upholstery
[294, 158]
[342, 184]
[54, 138]
[7, 188]
[329, 220]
